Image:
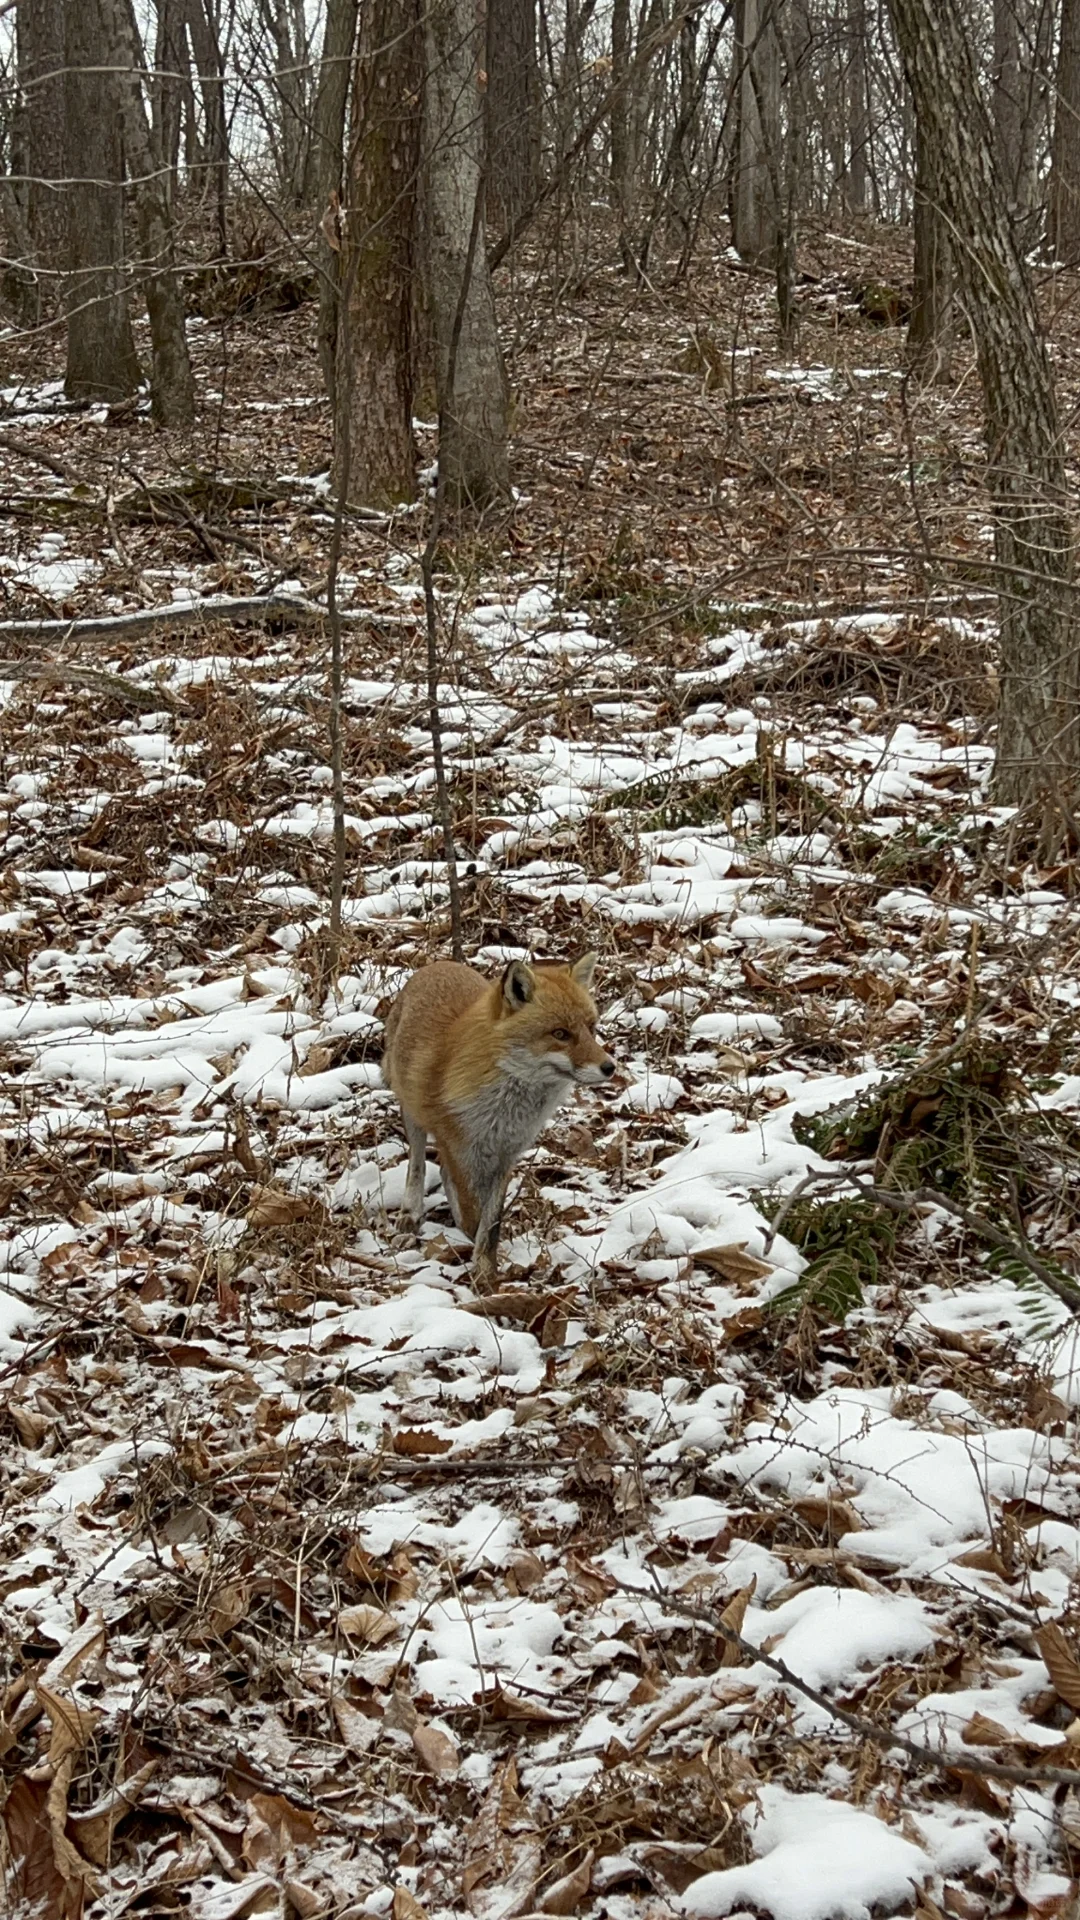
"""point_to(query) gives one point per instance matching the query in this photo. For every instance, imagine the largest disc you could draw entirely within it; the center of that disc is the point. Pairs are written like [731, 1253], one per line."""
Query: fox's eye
[560, 1033]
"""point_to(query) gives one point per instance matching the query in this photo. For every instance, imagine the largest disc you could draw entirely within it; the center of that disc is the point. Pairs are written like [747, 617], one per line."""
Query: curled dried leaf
[1061, 1663]
[436, 1750]
[370, 1624]
[732, 1618]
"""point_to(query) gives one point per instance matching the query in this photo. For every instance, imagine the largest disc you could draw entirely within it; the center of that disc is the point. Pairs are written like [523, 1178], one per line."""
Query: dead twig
[883, 1737]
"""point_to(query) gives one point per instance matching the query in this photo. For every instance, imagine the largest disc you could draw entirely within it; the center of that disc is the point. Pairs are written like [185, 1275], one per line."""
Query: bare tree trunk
[686, 137]
[929, 334]
[1063, 218]
[328, 142]
[1038, 745]
[858, 116]
[40, 208]
[793, 45]
[374, 389]
[171, 68]
[622, 159]
[101, 359]
[1022, 35]
[291, 139]
[202, 26]
[470, 375]
[172, 388]
[1006, 95]
[513, 107]
[754, 208]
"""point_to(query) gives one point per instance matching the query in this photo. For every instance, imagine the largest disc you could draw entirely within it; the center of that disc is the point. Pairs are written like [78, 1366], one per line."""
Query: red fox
[483, 1065]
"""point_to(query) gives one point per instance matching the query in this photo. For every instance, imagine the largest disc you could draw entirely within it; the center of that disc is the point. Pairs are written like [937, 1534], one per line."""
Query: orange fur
[481, 1065]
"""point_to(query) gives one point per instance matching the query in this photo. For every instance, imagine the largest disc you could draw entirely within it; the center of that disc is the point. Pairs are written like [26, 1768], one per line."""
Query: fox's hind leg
[417, 1175]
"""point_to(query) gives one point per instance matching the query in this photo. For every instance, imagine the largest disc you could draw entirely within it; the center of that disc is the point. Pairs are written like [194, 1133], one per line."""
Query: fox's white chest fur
[503, 1119]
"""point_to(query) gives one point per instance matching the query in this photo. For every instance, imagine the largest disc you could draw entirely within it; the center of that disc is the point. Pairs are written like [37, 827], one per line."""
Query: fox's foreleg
[488, 1228]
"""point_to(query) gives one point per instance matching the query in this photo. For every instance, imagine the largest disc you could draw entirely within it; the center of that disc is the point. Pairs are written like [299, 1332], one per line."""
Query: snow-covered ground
[340, 1583]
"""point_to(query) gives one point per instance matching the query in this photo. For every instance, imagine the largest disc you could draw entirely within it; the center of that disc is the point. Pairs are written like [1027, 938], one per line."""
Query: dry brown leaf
[31, 1427]
[304, 1899]
[832, 1512]
[272, 1207]
[413, 1441]
[436, 1750]
[34, 1882]
[592, 1581]
[227, 1607]
[567, 1894]
[71, 1725]
[983, 1560]
[406, 1906]
[260, 1844]
[981, 1731]
[67, 1856]
[505, 1704]
[677, 1864]
[501, 1808]
[1061, 1663]
[87, 1641]
[644, 1693]
[511, 1303]
[586, 1358]
[359, 1731]
[963, 1904]
[732, 1618]
[275, 1827]
[399, 1713]
[318, 1059]
[1069, 1815]
[93, 1830]
[524, 1571]
[439, 1248]
[370, 1624]
[252, 1893]
[738, 1325]
[533, 1407]
[732, 1263]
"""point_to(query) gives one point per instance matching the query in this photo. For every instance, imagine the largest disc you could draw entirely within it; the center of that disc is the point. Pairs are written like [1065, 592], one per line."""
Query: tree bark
[166, 91]
[375, 368]
[327, 167]
[202, 26]
[1038, 743]
[929, 334]
[39, 207]
[101, 359]
[1021, 55]
[1006, 94]
[512, 104]
[754, 208]
[858, 116]
[1063, 217]
[469, 372]
[622, 158]
[172, 386]
[291, 141]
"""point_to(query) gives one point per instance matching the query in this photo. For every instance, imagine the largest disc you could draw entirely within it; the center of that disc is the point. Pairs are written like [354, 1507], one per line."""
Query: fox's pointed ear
[582, 970]
[518, 985]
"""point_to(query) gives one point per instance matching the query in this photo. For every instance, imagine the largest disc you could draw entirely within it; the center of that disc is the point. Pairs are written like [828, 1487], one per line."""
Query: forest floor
[326, 1588]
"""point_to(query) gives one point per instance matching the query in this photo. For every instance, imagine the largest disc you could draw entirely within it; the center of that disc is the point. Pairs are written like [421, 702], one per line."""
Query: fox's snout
[595, 1072]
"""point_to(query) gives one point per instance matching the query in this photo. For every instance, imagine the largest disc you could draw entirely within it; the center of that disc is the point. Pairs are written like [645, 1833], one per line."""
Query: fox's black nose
[608, 1069]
